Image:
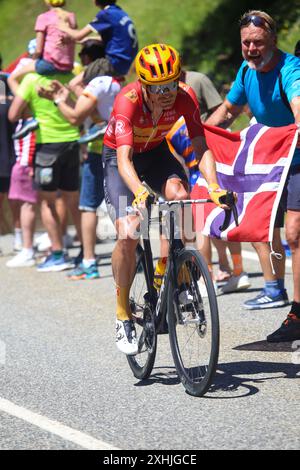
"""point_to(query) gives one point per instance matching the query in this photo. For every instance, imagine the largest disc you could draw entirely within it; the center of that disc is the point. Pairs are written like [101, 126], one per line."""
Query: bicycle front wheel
[193, 323]
[141, 306]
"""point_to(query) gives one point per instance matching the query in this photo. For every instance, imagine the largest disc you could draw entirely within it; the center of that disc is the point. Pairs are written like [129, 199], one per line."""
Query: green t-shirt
[53, 127]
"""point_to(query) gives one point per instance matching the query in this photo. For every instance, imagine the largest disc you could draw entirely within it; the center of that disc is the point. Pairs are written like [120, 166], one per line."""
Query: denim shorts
[43, 67]
[91, 193]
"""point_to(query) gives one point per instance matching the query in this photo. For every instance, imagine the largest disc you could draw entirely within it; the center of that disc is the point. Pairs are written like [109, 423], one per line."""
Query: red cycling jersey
[131, 121]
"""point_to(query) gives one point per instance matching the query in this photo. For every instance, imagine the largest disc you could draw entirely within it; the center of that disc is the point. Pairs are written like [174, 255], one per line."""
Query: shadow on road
[265, 346]
[236, 379]
[232, 380]
[167, 376]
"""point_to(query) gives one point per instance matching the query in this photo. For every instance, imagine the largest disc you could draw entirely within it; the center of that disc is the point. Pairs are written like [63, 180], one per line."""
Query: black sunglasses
[258, 21]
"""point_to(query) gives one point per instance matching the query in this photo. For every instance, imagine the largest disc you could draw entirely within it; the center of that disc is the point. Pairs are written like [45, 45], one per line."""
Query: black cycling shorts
[56, 166]
[154, 167]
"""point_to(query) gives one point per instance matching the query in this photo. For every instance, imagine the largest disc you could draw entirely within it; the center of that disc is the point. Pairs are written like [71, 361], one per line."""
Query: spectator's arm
[16, 109]
[224, 115]
[76, 84]
[83, 108]
[40, 41]
[295, 105]
[16, 77]
[75, 34]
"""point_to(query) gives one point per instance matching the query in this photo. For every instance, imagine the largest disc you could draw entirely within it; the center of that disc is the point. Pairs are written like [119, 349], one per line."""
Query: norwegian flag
[254, 163]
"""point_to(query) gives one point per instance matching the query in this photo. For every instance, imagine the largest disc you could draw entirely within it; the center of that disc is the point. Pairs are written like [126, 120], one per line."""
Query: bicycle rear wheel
[141, 306]
[193, 324]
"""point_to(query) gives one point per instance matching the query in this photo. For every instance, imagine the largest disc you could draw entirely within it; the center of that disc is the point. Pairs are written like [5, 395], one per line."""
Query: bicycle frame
[159, 301]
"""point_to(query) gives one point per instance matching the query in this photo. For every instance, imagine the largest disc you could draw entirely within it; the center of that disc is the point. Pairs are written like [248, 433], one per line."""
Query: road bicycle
[191, 320]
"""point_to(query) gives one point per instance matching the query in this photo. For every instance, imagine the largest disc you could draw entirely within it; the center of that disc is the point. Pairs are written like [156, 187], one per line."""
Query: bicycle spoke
[194, 335]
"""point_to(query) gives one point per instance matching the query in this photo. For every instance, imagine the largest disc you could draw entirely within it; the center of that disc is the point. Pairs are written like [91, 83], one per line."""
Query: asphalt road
[64, 385]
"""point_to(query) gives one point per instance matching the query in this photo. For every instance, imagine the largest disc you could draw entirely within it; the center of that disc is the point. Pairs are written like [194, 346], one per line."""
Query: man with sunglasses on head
[135, 149]
[269, 82]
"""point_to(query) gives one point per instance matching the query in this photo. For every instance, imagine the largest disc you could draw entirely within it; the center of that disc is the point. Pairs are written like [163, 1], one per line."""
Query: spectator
[56, 163]
[118, 34]
[21, 193]
[7, 154]
[100, 94]
[53, 53]
[269, 81]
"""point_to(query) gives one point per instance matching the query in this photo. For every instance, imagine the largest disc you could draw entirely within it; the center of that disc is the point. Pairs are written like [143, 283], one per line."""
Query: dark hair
[297, 49]
[103, 3]
[93, 48]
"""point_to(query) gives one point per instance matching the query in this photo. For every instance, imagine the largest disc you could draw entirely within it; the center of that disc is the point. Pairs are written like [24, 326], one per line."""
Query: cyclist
[135, 149]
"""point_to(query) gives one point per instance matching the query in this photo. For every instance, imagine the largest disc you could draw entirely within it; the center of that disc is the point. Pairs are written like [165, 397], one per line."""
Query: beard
[258, 67]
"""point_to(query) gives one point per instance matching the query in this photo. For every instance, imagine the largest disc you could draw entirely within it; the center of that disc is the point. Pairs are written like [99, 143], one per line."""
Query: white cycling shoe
[126, 337]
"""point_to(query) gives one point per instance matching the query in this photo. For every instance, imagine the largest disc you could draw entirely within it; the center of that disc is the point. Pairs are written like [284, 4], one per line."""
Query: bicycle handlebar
[228, 199]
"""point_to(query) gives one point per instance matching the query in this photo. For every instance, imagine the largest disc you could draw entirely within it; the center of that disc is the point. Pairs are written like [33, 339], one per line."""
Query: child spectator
[118, 35]
[54, 52]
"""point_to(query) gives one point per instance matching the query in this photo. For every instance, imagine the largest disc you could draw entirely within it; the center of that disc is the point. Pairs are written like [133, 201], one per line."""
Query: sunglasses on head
[258, 21]
[161, 89]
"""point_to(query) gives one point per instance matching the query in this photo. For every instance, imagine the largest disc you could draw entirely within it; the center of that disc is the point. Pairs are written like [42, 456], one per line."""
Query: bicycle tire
[194, 324]
[142, 311]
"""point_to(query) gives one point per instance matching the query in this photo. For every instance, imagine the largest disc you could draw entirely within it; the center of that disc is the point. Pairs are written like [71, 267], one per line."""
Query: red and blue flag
[254, 163]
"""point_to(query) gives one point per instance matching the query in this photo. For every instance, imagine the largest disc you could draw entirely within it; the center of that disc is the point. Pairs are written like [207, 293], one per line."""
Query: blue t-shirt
[119, 37]
[262, 93]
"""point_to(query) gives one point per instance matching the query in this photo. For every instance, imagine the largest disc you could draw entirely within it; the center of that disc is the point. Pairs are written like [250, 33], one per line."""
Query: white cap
[31, 48]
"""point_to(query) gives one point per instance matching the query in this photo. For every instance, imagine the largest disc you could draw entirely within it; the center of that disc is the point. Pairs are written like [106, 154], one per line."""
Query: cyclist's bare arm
[224, 115]
[126, 168]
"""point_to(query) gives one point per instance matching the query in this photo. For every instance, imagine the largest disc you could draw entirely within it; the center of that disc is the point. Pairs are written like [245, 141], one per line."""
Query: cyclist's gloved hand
[215, 192]
[140, 197]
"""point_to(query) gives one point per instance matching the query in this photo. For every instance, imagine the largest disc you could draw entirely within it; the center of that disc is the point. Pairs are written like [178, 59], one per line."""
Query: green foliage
[217, 40]
[206, 33]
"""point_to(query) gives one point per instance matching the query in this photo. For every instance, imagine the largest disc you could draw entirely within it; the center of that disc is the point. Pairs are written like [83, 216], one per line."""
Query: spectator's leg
[88, 228]
[28, 216]
[51, 219]
[71, 201]
[293, 239]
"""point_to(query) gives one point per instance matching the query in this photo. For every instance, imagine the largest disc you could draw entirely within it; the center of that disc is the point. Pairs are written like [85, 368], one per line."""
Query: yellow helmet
[55, 3]
[158, 64]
